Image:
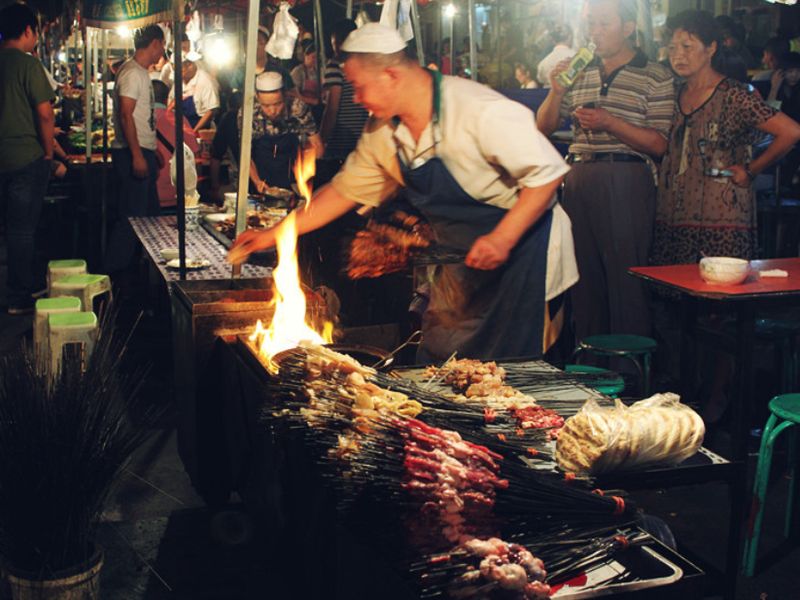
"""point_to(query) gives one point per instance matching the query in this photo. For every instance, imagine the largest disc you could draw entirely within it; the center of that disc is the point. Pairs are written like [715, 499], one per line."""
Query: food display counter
[275, 465]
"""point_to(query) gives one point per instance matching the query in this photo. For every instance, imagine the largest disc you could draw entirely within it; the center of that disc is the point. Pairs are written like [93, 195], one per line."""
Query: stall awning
[109, 14]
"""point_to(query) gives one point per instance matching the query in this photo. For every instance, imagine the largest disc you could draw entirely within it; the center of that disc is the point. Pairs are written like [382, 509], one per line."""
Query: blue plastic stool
[607, 382]
[785, 411]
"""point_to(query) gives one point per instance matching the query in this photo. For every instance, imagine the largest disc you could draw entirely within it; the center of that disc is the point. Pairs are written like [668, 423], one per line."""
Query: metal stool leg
[771, 433]
[792, 468]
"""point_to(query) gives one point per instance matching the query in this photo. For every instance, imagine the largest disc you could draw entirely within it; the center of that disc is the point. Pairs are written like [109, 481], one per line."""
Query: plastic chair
[71, 328]
[86, 287]
[607, 382]
[44, 308]
[785, 411]
[636, 348]
[56, 269]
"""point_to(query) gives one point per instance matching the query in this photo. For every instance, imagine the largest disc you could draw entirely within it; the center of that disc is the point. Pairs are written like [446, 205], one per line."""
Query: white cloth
[374, 38]
[397, 15]
[549, 62]
[476, 146]
[133, 81]
[204, 90]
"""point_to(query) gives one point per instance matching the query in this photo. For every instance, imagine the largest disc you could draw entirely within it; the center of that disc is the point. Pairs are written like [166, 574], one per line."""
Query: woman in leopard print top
[706, 202]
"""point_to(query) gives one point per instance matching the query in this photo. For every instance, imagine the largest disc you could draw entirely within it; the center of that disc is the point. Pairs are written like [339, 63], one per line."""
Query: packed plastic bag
[397, 15]
[284, 34]
[189, 174]
[658, 429]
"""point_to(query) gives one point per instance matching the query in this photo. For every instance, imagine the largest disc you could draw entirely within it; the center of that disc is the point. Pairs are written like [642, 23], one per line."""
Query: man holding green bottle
[621, 107]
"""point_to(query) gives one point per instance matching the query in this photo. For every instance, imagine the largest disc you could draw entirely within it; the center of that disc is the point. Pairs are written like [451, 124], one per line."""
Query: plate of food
[218, 217]
[191, 263]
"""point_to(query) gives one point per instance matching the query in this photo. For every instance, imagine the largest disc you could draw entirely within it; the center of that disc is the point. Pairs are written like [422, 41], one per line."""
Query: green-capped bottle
[578, 63]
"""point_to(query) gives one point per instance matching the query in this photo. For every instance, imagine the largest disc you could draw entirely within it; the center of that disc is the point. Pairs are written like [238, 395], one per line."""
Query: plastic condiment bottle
[578, 63]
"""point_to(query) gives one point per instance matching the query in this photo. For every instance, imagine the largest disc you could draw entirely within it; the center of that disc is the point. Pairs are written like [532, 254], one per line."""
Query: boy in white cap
[485, 191]
[281, 125]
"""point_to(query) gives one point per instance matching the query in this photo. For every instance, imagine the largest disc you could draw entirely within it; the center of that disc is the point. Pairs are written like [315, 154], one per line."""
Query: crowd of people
[659, 170]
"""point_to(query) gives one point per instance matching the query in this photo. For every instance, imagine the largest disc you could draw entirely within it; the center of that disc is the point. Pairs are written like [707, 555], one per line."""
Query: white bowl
[724, 270]
[168, 254]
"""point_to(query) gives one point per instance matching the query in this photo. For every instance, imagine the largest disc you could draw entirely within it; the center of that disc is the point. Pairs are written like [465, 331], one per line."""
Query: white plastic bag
[658, 429]
[189, 174]
[397, 15]
[284, 34]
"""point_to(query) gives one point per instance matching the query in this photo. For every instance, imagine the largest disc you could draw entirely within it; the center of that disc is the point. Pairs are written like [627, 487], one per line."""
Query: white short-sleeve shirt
[491, 147]
[204, 89]
[133, 81]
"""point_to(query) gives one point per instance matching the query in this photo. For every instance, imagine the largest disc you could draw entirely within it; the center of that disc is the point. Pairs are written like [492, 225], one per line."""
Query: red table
[755, 293]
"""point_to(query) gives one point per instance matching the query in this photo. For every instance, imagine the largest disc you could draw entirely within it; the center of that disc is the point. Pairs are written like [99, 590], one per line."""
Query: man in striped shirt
[343, 119]
[621, 107]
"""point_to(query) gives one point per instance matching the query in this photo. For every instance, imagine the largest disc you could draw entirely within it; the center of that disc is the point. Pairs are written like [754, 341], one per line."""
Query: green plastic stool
[607, 382]
[636, 348]
[44, 308]
[71, 328]
[86, 287]
[56, 269]
[785, 411]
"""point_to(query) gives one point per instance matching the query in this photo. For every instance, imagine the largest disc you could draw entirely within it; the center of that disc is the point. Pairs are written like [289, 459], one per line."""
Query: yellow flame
[305, 167]
[289, 326]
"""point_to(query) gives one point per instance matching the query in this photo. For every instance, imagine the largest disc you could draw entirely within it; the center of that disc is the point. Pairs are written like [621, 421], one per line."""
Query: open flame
[289, 325]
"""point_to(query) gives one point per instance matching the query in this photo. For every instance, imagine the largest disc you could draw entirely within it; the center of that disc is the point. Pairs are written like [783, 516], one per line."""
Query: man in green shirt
[26, 147]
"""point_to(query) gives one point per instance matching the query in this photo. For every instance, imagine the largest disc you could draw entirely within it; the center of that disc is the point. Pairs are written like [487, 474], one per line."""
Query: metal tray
[645, 563]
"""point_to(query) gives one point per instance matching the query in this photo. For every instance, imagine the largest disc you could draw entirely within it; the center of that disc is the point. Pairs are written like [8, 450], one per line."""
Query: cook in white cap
[281, 124]
[474, 164]
[200, 93]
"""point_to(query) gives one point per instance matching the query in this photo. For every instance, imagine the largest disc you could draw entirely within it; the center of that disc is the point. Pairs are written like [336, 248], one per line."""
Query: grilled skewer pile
[454, 493]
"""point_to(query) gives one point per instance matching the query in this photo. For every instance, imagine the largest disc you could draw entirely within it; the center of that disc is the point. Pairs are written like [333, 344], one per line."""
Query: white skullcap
[269, 81]
[374, 38]
[193, 56]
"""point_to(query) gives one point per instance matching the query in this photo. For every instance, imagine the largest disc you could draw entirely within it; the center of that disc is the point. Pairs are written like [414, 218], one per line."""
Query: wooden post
[180, 182]
[248, 97]
[473, 54]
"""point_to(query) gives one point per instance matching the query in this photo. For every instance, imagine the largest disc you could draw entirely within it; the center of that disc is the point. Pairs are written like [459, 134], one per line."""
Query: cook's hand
[594, 119]
[248, 242]
[487, 253]
[59, 169]
[261, 186]
[555, 84]
[139, 167]
[740, 176]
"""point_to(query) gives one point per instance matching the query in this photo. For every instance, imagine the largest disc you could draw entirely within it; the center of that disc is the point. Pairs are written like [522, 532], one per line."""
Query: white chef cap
[374, 38]
[193, 56]
[269, 81]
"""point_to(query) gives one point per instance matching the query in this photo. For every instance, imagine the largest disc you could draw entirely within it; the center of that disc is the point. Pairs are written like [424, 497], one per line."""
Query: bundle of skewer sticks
[562, 522]
[437, 255]
[380, 448]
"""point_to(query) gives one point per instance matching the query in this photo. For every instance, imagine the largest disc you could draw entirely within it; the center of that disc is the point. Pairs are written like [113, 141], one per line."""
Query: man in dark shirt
[26, 147]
